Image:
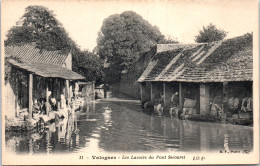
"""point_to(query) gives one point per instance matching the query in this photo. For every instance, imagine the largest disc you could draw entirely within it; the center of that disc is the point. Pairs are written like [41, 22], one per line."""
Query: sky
[181, 19]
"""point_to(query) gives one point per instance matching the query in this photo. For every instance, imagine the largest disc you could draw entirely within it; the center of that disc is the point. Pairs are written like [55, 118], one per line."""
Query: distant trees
[88, 65]
[210, 33]
[123, 39]
[38, 25]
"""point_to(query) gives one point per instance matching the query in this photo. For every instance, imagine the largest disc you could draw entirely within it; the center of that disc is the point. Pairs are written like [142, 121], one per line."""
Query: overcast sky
[179, 19]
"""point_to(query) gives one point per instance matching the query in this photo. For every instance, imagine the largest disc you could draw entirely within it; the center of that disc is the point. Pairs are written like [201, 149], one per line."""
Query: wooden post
[225, 97]
[76, 93]
[51, 87]
[180, 97]
[16, 94]
[47, 96]
[142, 92]
[67, 91]
[30, 95]
[204, 99]
[105, 90]
[164, 95]
[58, 89]
[63, 88]
[152, 93]
[71, 91]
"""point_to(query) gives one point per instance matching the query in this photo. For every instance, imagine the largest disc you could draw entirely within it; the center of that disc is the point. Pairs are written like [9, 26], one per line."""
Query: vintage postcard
[150, 82]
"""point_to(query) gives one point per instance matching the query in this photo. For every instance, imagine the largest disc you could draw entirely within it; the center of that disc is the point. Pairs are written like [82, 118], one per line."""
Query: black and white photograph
[130, 82]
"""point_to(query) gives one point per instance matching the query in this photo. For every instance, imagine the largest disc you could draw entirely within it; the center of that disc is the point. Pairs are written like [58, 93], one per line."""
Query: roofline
[190, 81]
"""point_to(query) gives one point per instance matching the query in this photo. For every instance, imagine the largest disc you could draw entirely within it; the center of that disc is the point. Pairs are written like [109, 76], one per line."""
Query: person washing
[158, 101]
[174, 110]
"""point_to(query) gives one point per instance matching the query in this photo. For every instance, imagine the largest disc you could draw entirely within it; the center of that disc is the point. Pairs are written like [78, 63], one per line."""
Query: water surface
[119, 124]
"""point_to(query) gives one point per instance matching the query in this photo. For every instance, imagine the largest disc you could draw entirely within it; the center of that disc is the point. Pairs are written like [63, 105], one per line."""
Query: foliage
[88, 65]
[38, 25]
[9, 70]
[123, 39]
[209, 34]
[168, 40]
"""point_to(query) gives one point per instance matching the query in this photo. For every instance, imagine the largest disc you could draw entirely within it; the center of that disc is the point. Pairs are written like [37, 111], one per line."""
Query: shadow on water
[119, 124]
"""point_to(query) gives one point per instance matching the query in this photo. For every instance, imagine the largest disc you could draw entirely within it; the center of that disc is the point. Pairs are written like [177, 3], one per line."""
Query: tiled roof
[47, 70]
[29, 53]
[229, 60]
[40, 62]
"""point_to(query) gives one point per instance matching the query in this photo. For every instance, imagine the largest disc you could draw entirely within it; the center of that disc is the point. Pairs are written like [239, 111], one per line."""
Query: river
[118, 123]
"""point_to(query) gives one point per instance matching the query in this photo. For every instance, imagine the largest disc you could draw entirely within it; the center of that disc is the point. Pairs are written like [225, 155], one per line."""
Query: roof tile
[229, 60]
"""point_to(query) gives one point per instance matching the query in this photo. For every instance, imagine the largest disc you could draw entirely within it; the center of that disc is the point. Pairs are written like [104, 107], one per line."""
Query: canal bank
[119, 123]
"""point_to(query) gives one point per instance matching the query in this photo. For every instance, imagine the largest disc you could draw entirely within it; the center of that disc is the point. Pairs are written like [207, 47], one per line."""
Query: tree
[38, 25]
[88, 65]
[123, 39]
[209, 34]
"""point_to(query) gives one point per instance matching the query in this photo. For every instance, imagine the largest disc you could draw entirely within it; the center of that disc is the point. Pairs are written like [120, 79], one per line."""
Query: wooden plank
[30, 95]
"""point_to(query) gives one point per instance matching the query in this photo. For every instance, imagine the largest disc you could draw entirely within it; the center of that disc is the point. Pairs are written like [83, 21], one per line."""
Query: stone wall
[128, 84]
[9, 101]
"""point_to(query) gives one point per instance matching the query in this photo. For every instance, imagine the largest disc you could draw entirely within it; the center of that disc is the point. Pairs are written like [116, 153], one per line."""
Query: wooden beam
[47, 96]
[30, 95]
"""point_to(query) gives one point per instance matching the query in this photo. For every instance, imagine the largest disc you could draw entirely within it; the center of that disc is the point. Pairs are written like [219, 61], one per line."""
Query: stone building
[202, 73]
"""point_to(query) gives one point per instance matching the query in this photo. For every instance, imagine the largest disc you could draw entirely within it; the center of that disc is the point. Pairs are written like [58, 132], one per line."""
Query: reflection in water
[226, 148]
[119, 124]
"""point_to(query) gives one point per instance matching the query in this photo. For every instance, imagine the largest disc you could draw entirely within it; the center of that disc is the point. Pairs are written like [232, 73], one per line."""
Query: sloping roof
[29, 53]
[47, 70]
[229, 60]
[168, 47]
